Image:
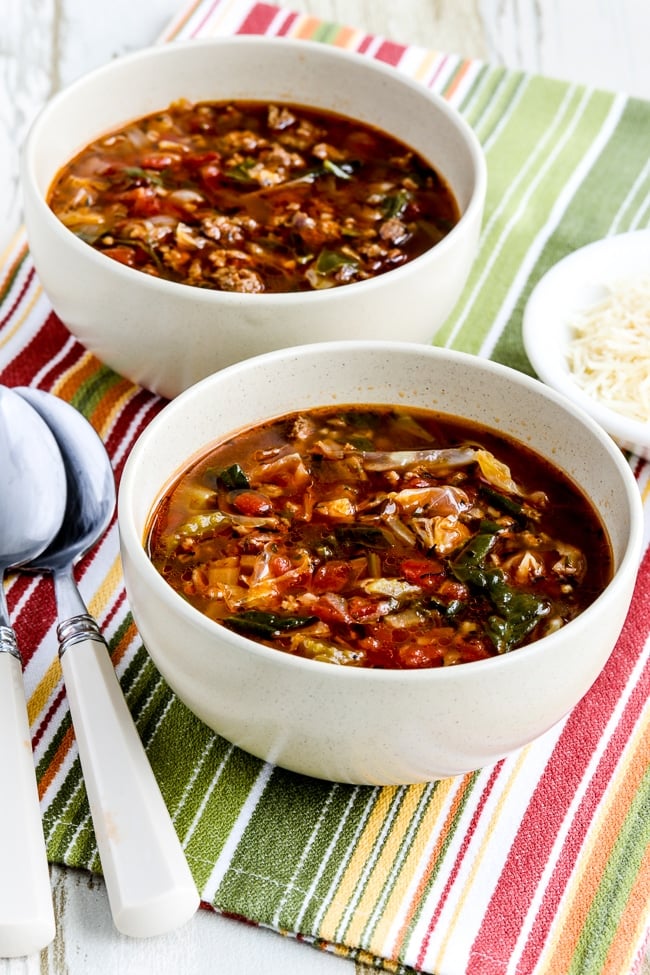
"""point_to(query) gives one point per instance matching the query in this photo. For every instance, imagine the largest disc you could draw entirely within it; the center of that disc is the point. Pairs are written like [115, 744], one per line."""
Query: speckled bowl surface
[165, 335]
[369, 726]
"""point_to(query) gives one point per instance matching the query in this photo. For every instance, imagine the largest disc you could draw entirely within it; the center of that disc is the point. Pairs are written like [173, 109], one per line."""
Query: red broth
[251, 197]
[374, 537]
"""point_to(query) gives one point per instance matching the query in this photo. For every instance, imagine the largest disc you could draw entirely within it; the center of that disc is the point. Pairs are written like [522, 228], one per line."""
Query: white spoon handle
[149, 884]
[26, 912]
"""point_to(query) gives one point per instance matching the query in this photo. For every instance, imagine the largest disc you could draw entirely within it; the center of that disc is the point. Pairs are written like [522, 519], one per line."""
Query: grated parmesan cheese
[609, 352]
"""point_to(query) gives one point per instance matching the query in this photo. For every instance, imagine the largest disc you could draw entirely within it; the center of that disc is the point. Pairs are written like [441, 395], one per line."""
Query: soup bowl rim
[627, 564]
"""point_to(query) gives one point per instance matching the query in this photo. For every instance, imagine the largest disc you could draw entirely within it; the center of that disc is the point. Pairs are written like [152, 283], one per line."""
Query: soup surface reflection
[374, 537]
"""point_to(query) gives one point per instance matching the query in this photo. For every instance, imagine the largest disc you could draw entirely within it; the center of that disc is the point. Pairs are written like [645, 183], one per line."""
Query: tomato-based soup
[374, 537]
[252, 197]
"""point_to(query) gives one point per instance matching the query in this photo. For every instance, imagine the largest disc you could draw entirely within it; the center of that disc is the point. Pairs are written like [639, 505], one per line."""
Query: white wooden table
[44, 45]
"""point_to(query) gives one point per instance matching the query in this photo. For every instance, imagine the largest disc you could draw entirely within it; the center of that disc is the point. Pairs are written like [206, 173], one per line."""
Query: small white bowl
[568, 289]
[165, 335]
[354, 724]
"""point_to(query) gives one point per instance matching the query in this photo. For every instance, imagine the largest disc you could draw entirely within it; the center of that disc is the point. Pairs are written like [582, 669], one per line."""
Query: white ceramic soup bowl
[363, 725]
[165, 335]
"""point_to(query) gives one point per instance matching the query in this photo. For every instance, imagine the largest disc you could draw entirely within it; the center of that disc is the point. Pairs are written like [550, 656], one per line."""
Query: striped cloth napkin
[538, 864]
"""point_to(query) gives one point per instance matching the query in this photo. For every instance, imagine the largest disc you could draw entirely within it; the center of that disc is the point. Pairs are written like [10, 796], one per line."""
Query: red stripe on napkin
[37, 354]
[390, 52]
[259, 19]
[555, 791]
[460, 857]
[36, 613]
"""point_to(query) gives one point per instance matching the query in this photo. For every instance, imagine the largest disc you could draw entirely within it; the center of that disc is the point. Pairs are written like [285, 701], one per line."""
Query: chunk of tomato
[426, 573]
[331, 608]
[412, 656]
[254, 504]
[157, 160]
[125, 255]
[331, 576]
[142, 201]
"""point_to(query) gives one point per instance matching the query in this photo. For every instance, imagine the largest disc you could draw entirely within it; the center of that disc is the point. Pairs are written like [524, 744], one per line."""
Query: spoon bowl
[31, 510]
[90, 482]
[148, 881]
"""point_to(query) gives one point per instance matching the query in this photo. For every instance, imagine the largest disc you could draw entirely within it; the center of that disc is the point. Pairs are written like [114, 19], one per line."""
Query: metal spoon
[149, 884]
[32, 503]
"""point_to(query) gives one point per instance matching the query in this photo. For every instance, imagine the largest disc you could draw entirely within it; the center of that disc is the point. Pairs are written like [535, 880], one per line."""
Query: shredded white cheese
[609, 351]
